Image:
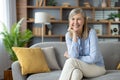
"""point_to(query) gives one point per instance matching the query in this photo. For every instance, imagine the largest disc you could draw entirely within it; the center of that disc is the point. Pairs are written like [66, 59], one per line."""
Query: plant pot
[8, 74]
[116, 19]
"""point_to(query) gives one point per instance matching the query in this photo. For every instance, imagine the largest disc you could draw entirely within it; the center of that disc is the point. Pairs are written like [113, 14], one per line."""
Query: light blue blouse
[86, 50]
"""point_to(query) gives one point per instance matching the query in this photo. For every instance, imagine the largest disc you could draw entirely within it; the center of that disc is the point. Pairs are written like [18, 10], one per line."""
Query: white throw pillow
[51, 58]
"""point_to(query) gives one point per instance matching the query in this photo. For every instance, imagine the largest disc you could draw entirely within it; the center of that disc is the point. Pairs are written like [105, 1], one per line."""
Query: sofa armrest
[16, 71]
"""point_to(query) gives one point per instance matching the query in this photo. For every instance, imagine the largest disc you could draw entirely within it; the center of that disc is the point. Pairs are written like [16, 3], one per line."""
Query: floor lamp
[42, 18]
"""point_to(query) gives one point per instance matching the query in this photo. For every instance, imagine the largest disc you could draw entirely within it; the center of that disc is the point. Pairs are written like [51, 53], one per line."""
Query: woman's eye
[73, 19]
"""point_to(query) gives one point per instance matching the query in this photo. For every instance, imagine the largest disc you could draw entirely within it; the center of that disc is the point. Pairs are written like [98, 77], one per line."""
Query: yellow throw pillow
[118, 67]
[31, 60]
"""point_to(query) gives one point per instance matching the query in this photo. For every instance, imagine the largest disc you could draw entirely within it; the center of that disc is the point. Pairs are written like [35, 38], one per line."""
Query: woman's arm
[72, 46]
[93, 56]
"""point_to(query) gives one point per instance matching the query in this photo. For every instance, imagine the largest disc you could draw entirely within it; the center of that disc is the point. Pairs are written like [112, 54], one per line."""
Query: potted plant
[114, 16]
[52, 3]
[15, 37]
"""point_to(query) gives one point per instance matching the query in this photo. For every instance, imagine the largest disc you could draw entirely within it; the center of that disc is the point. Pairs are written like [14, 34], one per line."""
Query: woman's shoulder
[92, 31]
[67, 35]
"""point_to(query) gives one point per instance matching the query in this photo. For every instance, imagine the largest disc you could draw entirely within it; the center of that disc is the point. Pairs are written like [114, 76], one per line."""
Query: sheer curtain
[8, 16]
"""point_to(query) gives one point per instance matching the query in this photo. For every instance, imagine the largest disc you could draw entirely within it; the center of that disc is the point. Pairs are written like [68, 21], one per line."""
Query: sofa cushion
[53, 75]
[110, 52]
[110, 75]
[59, 47]
[31, 60]
[51, 58]
[118, 67]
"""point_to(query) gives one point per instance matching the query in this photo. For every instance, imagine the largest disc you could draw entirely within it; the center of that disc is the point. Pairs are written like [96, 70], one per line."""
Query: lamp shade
[42, 17]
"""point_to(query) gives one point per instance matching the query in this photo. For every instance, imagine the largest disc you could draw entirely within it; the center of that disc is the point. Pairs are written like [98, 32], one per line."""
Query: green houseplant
[114, 16]
[15, 37]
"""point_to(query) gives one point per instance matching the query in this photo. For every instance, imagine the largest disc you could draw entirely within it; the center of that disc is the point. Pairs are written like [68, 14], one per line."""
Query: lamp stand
[43, 31]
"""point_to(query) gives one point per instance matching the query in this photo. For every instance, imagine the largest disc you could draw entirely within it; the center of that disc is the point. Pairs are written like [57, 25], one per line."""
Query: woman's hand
[66, 54]
[70, 29]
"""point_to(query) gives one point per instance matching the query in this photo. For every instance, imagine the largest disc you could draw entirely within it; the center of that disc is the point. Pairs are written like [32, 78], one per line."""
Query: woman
[85, 58]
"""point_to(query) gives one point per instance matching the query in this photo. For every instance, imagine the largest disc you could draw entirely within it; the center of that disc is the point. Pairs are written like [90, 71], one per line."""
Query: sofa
[110, 52]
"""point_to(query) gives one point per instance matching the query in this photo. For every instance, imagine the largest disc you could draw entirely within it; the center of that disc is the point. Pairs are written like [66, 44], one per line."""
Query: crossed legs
[75, 69]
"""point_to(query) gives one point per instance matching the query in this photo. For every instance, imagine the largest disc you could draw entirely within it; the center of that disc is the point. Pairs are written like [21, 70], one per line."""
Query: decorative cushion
[32, 60]
[51, 58]
[118, 67]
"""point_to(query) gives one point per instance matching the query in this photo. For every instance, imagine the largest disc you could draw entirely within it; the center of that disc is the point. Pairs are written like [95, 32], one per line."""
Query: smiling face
[76, 22]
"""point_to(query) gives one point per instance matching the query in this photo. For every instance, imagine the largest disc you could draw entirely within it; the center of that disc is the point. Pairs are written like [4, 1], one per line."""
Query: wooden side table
[8, 75]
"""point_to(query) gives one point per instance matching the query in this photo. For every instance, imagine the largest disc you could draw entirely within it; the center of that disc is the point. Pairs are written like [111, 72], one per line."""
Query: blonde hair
[85, 30]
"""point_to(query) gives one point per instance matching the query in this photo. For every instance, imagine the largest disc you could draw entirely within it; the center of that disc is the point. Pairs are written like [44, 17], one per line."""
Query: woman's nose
[75, 21]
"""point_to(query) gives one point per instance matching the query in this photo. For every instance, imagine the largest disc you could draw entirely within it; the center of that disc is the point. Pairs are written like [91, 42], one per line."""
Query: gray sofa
[110, 51]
